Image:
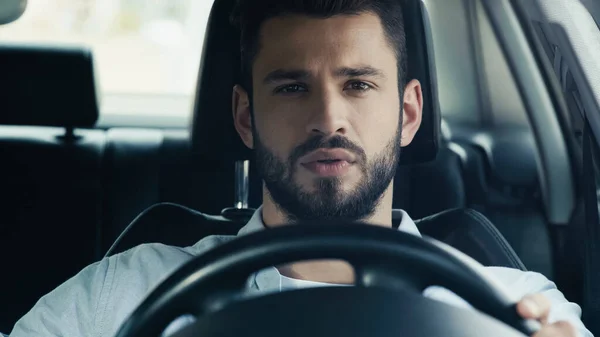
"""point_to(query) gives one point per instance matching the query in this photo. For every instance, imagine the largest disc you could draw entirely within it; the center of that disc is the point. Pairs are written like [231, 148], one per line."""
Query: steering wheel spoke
[388, 275]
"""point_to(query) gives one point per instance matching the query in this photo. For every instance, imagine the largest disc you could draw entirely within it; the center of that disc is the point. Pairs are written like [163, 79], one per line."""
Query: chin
[337, 193]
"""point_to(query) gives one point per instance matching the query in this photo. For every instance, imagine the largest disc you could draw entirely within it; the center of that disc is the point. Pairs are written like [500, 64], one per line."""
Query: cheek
[277, 131]
[377, 127]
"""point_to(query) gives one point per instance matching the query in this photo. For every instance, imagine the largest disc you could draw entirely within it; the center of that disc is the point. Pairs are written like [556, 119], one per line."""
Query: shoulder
[97, 300]
[156, 259]
[131, 276]
[150, 263]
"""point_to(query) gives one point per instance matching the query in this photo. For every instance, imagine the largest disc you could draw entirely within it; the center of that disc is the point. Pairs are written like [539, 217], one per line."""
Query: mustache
[320, 142]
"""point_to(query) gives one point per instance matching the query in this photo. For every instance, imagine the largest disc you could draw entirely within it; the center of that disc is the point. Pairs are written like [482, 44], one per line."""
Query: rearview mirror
[10, 10]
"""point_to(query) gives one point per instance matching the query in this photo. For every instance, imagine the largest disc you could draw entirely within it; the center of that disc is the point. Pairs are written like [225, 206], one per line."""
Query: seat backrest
[172, 224]
[432, 187]
[50, 183]
[143, 167]
[176, 225]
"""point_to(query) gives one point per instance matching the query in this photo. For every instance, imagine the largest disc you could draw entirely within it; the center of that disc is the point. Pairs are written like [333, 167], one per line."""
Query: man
[326, 105]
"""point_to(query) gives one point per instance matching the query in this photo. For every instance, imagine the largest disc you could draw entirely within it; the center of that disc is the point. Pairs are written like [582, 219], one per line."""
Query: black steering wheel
[392, 269]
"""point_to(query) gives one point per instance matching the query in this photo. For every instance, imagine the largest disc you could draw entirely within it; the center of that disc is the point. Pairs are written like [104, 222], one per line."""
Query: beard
[328, 200]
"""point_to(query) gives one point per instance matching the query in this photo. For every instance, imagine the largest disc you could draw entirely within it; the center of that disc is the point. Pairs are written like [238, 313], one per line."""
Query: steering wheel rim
[380, 257]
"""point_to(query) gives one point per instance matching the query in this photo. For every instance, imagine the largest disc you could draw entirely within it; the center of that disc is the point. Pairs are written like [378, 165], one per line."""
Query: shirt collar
[254, 224]
[407, 225]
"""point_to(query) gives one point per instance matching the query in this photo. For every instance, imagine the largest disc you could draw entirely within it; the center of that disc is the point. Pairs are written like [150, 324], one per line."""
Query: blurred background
[146, 52]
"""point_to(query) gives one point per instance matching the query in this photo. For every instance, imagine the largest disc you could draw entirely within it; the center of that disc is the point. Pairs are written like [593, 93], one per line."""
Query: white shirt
[97, 301]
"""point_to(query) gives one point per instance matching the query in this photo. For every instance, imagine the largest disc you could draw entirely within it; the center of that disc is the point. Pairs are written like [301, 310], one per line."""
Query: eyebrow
[366, 71]
[286, 75]
[280, 75]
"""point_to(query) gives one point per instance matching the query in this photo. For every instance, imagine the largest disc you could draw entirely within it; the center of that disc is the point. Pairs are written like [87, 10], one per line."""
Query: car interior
[484, 174]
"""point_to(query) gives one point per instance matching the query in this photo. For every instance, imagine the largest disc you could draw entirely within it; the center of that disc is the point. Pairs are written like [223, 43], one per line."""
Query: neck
[328, 271]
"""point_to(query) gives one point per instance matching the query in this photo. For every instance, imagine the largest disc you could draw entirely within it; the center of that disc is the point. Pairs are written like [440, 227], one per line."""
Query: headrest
[43, 86]
[11, 10]
[213, 133]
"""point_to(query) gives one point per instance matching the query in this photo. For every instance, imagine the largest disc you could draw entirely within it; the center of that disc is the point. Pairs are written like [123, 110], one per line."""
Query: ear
[242, 118]
[412, 111]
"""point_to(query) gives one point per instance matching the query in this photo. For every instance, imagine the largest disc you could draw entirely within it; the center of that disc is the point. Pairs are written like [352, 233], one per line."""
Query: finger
[558, 329]
[534, 307]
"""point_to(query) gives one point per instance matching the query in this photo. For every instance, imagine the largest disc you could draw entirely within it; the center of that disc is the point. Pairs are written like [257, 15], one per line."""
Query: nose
[329, 115]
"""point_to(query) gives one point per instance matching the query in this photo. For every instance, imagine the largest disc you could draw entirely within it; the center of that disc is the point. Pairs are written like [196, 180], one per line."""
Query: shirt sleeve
[528, 283]
[72, 308]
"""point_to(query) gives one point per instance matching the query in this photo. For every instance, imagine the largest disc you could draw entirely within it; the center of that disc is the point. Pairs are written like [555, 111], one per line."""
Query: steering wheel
[392, 269]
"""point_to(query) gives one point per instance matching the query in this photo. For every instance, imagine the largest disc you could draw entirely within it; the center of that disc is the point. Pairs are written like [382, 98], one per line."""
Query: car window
[569, 34]
[569, 37]
[146, 53]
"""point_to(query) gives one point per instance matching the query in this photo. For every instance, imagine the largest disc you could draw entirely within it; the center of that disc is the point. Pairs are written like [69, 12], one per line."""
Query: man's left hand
[538, 307]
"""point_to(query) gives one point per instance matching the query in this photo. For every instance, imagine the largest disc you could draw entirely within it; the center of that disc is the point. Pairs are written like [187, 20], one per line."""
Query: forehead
[305, 43]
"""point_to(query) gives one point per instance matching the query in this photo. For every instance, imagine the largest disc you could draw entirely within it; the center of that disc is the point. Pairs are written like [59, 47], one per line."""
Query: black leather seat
[49, 178]
[143, 167]
[464, 229]
[213, 136]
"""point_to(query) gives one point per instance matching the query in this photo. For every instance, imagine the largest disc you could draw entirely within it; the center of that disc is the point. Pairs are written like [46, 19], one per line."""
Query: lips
[328, 163]
[328, 156]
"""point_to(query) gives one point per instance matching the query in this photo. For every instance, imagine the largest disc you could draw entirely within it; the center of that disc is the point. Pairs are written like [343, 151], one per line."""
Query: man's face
[326, 124]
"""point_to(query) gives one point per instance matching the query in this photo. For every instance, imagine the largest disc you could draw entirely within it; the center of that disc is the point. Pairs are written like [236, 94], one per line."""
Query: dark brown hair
[249, 15]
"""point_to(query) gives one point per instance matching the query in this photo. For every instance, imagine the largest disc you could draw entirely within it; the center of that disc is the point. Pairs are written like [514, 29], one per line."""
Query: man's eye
[290, 89]
[359, 86]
